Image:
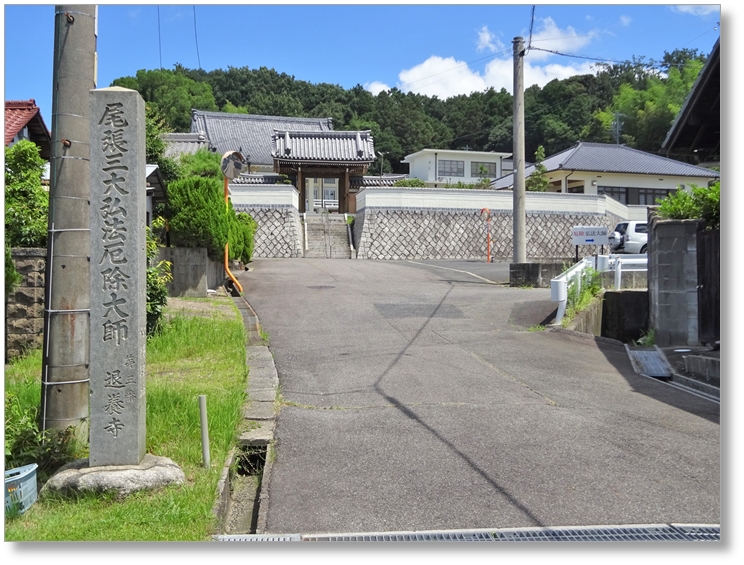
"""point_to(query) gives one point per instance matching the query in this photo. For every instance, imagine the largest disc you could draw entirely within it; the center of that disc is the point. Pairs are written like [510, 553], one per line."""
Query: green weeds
[192, 355]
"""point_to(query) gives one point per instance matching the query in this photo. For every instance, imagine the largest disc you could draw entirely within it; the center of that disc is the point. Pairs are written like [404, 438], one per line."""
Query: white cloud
[442, 77]
[446, 77]
[375, 87]
[551, 37]
[697, 10]
[625, 20]
[487, 40]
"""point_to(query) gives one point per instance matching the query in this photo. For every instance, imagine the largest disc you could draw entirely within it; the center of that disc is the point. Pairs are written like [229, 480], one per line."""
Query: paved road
[417, 399]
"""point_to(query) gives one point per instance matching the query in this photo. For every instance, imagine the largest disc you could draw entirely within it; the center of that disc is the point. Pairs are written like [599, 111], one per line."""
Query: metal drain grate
[258, 537]
[700, 532]
[653, 532]
[413, 536]
[619, 533]
[649, 363]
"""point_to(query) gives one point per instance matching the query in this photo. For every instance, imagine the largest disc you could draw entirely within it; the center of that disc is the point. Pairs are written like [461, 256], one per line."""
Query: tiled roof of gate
[325, 146]
[21, 113]
[254, 179]
[609, 158]
[371, 180]
[249, 133]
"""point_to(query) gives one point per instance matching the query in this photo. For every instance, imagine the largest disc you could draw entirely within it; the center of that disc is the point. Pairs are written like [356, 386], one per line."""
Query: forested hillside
[645, 95]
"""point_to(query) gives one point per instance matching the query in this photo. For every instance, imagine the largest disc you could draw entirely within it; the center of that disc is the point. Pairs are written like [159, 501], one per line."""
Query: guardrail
[326, 204]
[348, 232]
[304, 225]
[559, 285]
[620, 263]
[616, 263]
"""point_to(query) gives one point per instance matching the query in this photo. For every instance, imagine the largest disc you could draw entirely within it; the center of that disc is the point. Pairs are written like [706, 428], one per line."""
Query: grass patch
[194, 355]
[581, 292]
[647, 339]
[536, 328]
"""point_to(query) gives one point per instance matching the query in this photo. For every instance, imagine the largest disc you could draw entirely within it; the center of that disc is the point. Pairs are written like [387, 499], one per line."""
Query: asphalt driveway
[418, 397]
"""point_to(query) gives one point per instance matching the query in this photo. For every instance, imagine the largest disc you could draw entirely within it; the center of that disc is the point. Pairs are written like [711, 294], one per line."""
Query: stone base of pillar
[153, 472]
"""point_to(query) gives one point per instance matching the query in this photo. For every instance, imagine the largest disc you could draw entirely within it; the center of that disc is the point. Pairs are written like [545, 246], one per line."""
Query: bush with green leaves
[242, 233]
[25, 441]
[538, 181]
[700, 203]
[412, 182]
[197, 215]
[12, 277]
[26, 201]
[581, 291]
[158, 277]
[203, 163]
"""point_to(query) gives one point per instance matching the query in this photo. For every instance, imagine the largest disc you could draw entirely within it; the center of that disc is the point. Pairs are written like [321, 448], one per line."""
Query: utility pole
[617, 127]
[65, 376]
[518, 212]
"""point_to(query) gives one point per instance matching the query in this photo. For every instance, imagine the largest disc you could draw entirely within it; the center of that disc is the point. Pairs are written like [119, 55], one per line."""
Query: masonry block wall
[672, 280]
[24, 309]
[278, 233]
[193, 271]
[400, 233]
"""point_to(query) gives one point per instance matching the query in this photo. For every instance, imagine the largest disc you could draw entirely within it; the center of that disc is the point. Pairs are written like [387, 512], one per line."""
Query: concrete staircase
[327, 236]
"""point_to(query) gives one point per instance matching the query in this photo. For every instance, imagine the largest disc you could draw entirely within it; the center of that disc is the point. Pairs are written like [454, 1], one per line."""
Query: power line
[196, 40]
[532, 22]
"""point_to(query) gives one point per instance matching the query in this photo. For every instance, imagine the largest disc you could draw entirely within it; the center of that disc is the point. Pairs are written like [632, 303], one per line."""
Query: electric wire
[196, 40]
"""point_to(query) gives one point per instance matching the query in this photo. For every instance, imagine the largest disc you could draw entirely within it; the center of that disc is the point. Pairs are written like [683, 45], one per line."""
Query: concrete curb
[259, 412]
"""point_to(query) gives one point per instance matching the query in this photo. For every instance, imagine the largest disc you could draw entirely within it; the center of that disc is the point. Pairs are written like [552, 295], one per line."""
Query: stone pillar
[117, 277]
[672, 280]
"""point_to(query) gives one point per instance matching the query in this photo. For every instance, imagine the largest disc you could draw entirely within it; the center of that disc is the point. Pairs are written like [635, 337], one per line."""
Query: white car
[629, 237]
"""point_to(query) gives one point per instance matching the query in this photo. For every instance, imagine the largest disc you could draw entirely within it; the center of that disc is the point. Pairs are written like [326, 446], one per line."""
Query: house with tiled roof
[250, 134]
[625, 174]
[23, 120]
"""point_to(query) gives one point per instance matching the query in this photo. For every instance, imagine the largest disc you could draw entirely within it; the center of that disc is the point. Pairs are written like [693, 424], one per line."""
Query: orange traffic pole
[227, 268]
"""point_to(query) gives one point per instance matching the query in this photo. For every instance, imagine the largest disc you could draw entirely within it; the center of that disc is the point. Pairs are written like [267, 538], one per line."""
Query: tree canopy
[644, 95]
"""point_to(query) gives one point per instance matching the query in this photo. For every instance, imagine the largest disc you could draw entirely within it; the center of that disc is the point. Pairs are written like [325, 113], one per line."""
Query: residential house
[627, 175]
[23, 121]
[440, 167]
[695, 135]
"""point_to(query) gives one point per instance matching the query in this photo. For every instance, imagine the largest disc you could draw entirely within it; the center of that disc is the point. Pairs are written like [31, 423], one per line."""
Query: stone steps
[327, 237]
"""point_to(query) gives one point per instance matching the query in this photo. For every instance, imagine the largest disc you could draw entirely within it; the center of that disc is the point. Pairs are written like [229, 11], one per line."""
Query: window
[620, 194]
[448, 168]
[640, 196]
[648, 196]
[490, 169]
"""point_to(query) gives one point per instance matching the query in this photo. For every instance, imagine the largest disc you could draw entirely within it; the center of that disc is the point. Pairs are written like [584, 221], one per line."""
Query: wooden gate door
[709, 286]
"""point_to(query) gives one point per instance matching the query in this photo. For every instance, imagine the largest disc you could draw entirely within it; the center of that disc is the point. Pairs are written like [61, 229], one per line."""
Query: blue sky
[434, 49]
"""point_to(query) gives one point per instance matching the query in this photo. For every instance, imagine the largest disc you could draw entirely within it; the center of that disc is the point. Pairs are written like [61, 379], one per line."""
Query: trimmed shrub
[197, 215]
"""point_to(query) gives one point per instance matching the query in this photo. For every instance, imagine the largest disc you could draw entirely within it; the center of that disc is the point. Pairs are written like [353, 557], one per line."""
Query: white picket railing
[617, 263]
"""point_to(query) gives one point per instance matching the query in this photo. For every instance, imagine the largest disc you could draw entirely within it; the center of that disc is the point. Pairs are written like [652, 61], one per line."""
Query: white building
[440, 167]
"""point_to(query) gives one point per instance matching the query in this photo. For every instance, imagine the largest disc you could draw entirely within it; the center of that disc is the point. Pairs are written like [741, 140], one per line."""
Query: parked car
[629, 237]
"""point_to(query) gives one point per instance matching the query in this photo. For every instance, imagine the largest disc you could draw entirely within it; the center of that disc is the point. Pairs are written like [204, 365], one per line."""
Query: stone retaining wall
[408, 233]
[279, 230]
[24, 309]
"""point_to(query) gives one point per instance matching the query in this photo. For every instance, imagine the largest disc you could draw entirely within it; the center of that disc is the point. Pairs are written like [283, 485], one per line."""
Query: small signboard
[589, 235]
